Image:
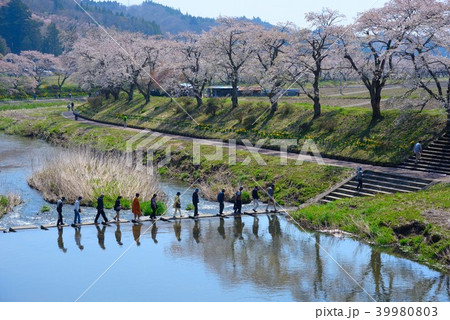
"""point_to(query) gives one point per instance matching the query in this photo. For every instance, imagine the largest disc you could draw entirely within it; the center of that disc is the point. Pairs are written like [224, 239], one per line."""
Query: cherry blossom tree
[41, 63]
[16, 75]
[426, 48]
[191, 59]
[372, 48]
[231, 46]
[310, 49]
[269, 67]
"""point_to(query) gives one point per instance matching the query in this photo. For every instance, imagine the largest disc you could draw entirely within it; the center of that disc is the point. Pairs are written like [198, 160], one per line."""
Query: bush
[190, 207]
[146, 208]
[249, 121]
[95, 102]
[212, 105]
[45, 208]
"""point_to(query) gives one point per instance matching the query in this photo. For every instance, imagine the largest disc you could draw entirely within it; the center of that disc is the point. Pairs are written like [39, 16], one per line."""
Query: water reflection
[137, 233]
[118, 234]
[154, 233]
[221, 228]
[78, 238]
[101, 236]
[60, 240]
[196, 231]
[177, 229]
[270, 254]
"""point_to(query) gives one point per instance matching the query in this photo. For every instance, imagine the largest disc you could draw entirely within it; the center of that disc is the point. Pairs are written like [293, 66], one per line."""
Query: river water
[234, 259]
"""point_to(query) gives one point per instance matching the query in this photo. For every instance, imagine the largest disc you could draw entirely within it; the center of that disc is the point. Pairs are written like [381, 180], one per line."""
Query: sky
[272, 11]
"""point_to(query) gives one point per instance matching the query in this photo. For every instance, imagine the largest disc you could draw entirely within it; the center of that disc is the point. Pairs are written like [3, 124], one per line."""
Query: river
[234, 259]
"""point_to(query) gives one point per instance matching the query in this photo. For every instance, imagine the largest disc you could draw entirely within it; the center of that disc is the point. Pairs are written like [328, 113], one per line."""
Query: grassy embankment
[341, 132]
[8, 202]
[414, 224]
[294, 183]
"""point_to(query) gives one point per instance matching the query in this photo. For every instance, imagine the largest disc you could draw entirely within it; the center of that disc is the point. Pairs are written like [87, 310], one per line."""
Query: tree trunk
[147, 98]
[448, 119]
[375, 102]
[317, 107]
[234, 92]
[199, 100]
[273, 103]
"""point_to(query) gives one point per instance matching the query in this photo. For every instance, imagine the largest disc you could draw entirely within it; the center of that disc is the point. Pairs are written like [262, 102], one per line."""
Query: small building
[253, 91]
[219, 91]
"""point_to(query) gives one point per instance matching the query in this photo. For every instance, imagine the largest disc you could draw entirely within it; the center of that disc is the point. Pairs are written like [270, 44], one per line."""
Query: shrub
[190, 207]
[95, 102]
[212, 105]
[45, 208]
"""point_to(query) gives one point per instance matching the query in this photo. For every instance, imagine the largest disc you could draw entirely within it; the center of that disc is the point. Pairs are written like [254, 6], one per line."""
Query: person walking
[195, 201]
[75, 113]
[238, 201]
[255, 196]
[59, 206]
[418, 151]
[154, 206]
[221, 200]
[359, 178]
[68, 108]
[72, 105]
[100, 210]
[77, 210]
[136, 208]
[177, 205]
[117, 208]
[124, 118]
[270, 192]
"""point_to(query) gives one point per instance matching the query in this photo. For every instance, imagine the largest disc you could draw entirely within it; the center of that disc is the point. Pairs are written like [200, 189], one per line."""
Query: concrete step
[341, 193]
[392, 183]
[409, 167]
[332, 198]
[435, 153]
[440, 144]
[431, 163]
[434, 158]
[377, 187]
[428, 165]
[395, 178]
[365, 192]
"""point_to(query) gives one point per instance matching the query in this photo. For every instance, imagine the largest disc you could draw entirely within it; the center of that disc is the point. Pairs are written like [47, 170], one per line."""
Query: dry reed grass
[88, 173]
[8, 202]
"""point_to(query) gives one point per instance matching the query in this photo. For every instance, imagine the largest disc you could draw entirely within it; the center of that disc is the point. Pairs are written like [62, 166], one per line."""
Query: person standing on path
[418, 151]
[195, 201]
[136, 208]
[77, 210]
[238, 202]
[124, 118]
[255, 196]
[117, 208]
[72, 105]
[359, 178]
[154, 207]
[221, 200]
[177, 205]
[270, 192]
[59, 206]
[68, 107]
[100, 210]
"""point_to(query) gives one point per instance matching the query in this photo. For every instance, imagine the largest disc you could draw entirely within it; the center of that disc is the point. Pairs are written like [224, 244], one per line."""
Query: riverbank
[8, 202]
[342, 133]
[294, 184]
[415, 225]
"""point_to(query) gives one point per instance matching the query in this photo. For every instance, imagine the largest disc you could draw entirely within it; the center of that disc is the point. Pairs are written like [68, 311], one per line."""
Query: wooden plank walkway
[142, 220]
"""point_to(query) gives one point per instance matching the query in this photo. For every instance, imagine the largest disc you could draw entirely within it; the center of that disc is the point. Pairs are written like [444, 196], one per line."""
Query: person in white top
[77, 210]
[418, 151]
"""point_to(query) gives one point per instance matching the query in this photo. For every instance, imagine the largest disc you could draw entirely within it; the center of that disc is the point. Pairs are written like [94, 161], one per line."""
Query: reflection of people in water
[196, 231]
[118, 234]
[221, 228]
[274, 226]
[255, 226]
[238, 227]
[101, 236]
[177, 229]
[154, 233]
[137, 233]
[60, 240]
[78, 238]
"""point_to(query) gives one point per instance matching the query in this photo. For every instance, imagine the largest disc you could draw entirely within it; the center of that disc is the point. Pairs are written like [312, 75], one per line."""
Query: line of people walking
[137, 211]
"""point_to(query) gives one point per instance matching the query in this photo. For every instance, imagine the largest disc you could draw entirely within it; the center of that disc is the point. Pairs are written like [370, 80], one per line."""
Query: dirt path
[290, 155]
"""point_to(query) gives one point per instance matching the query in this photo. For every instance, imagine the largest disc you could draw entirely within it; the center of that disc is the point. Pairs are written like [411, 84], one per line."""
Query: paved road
[290, 155]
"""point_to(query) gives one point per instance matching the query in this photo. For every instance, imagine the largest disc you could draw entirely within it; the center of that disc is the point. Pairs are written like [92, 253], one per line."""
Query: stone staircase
[435, 157]
[376, 183]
